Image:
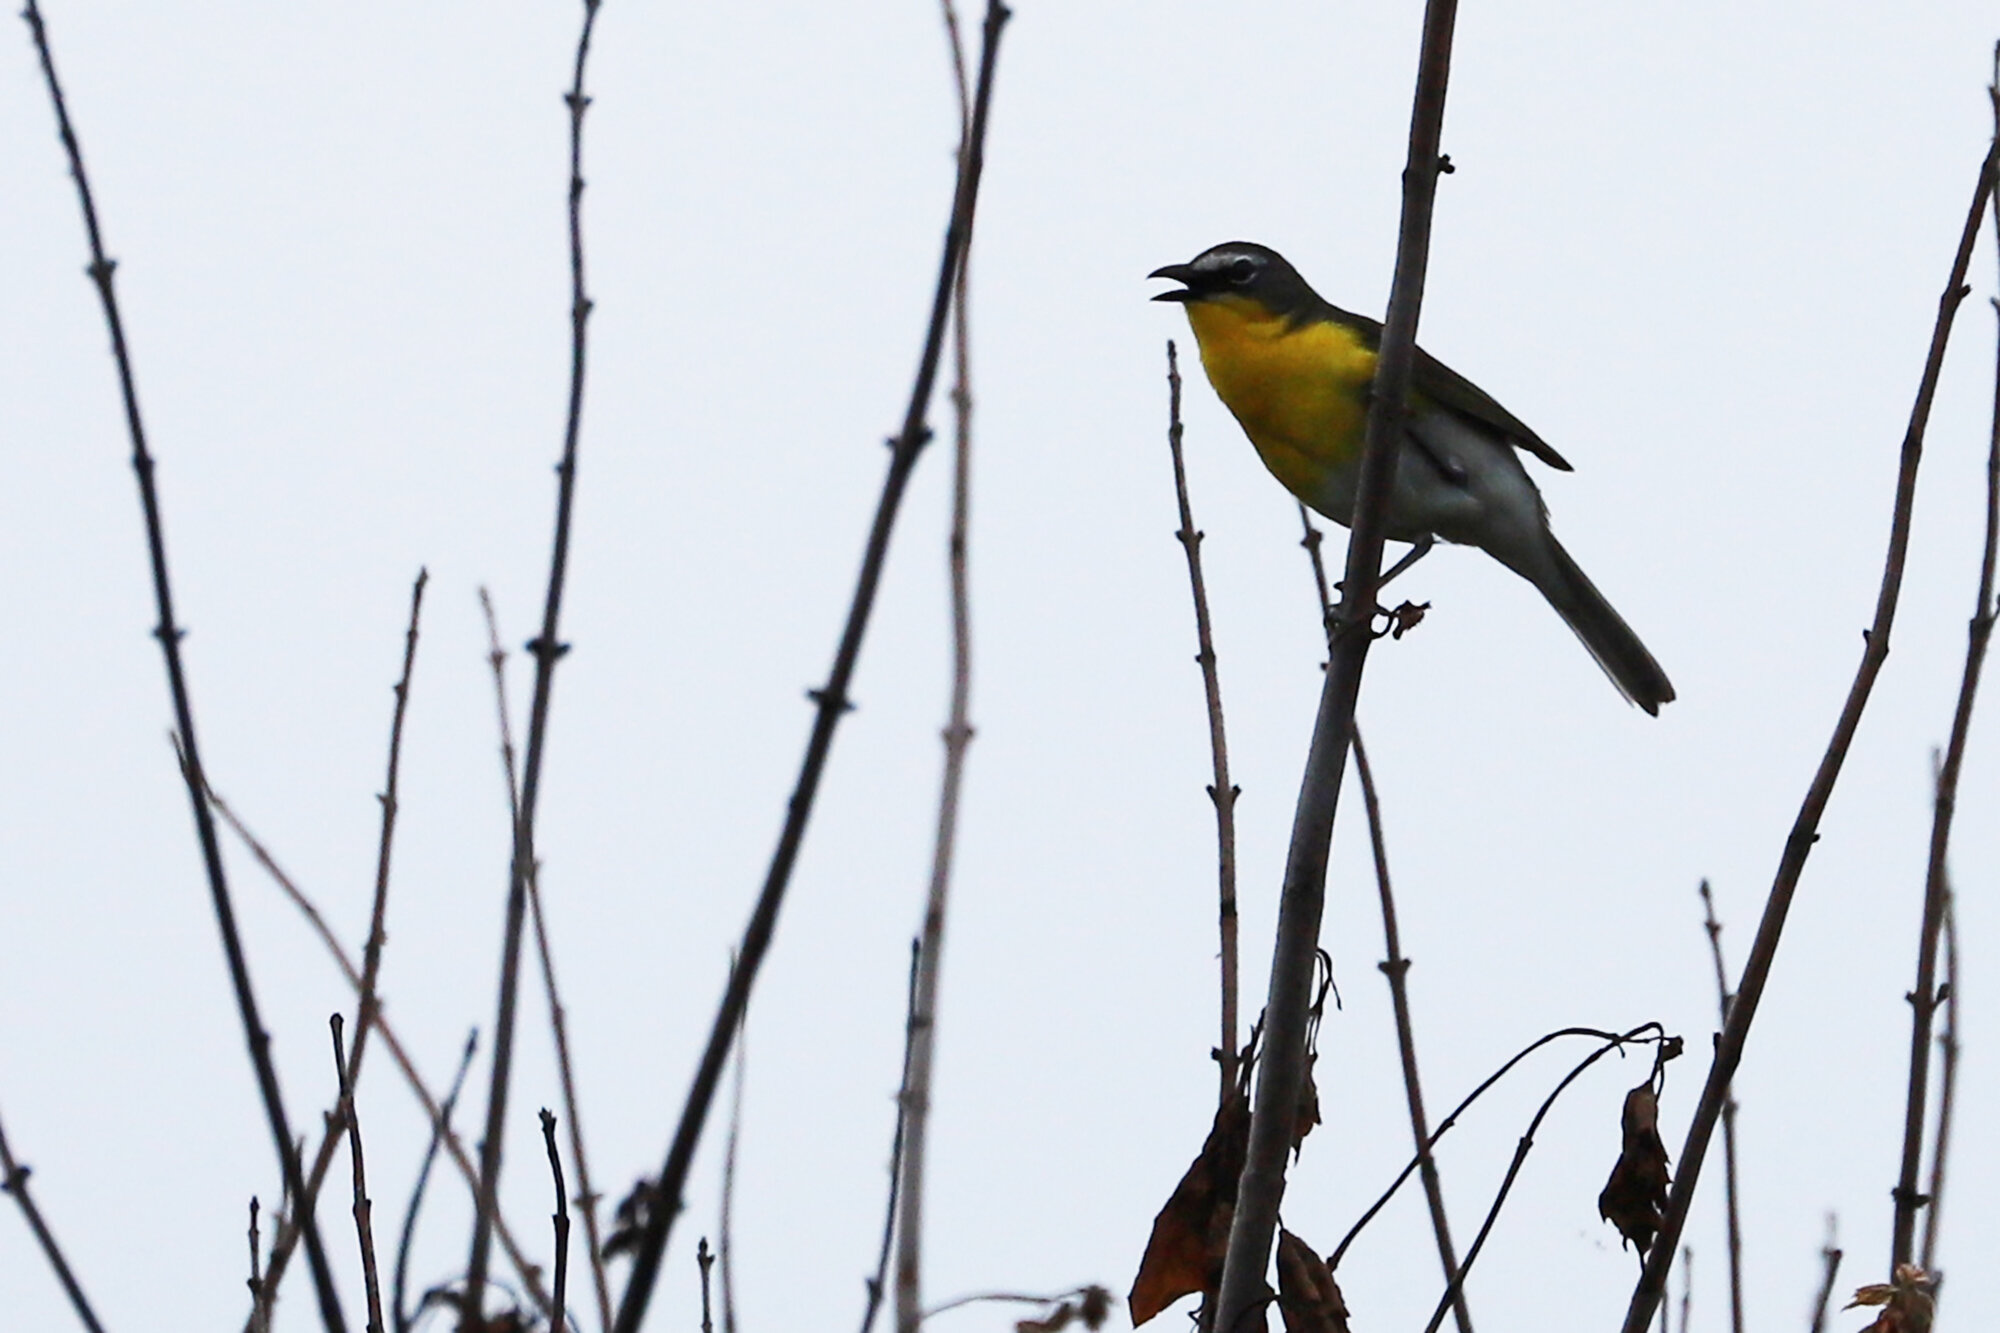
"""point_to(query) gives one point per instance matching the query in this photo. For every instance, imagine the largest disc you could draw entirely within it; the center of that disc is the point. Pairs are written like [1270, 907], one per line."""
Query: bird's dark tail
[1603, 631]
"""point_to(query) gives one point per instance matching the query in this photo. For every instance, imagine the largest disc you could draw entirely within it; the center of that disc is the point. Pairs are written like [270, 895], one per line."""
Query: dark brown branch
[560, 1292]
[1947, 1087]
[1805, 828]
[1396, 968]
[831, 702]
[878, 1284]
[1830, 1254]
[169, 634]
[1924, 996]
[587, 1197]
[14, 1181]
[1283, 1071]
[1714, 929]
[400, 1306]
[548, 649]
[704, 1259]
[725, 1240]
[1222, 793]
[364, 1227]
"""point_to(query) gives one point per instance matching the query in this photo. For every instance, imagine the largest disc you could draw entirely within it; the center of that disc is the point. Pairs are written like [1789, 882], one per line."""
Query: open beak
[1182, 273]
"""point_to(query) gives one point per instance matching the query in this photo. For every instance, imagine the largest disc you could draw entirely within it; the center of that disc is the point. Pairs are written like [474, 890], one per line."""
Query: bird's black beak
[1182, 273]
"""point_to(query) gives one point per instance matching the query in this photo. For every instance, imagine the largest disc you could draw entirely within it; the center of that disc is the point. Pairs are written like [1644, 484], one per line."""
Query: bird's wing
[1433, 379]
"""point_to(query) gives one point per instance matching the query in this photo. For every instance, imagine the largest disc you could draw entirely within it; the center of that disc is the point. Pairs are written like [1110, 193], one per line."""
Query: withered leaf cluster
[1907, 1303]
[1309, 1300]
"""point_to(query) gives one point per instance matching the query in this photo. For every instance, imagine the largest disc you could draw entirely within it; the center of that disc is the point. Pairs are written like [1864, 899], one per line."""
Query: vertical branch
[1396, 968]
[398, 1305]
[726, 1243]
[587, 1197]
[169, 634]
[1222, 793]
[1805, 828]
[915, 1102]
[878, 1284]
[1924, 997]
[1947, 1087]
[831, 702]
[705, 1260]
[14, 1181]
[1714, 929]
[548, 650]
[1282, 1072]
[1830, 1255]
[364, 1228]
[561, 1219]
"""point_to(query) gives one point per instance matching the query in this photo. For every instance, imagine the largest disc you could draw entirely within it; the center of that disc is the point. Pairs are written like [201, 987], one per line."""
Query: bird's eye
[1241, 270]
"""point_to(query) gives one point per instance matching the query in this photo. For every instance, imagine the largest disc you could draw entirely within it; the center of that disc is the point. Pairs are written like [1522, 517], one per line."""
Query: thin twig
[1222, 793]
[560, 1293]
[1947, 1086]
[547, 649]
[1396, 968]
[1924, 996]
[831, 702]
[287, 1235]
[878, 1284]
[1714, 929]
[14, 1181]
[417, 1191]
[725, 1240]
[260, 1307]
[1687, 1285]
[587, 1197]
[1805, 828]
[169, 634]
[704, 1259]
[915, 1098]
[1303, 898]
[1610, 1039]
[1520, 1157]
[364, 1227]
[1830, 1254]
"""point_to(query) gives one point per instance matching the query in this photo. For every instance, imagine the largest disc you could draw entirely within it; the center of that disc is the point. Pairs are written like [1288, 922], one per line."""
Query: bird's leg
[1418, 550]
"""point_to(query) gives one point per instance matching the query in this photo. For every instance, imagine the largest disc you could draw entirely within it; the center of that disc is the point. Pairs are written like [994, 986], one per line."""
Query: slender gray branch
[1734, 1217]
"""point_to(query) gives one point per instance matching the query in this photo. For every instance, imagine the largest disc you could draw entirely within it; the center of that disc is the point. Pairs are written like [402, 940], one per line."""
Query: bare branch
[14, 1181]
[561, 1219]
[169, 634]
[1714, 929]
[1303, 898]
[1805, 828]
[364, 1228]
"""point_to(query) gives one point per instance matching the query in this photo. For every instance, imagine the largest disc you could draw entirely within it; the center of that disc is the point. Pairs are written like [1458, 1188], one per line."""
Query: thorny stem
[1805, 828]
[1396, 968]
[1282, 1073]
[169, 634]
[548, 649]
[1222, 793]
[1714, 929]
[831, 701]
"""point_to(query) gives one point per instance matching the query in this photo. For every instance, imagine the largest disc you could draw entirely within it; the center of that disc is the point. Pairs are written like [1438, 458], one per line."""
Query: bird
[1297, 371]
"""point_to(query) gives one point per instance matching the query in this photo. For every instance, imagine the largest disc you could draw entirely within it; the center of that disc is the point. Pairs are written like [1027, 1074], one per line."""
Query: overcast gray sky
[1698, 247]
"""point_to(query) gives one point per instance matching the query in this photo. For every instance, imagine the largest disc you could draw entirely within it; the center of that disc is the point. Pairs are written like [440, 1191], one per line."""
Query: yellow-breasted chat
[1297, 372]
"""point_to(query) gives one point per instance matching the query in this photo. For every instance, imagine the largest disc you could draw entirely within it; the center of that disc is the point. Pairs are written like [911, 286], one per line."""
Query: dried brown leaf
[1309, 1300]
[1907, 1303]
[1636, 1195]
[1191, 1233]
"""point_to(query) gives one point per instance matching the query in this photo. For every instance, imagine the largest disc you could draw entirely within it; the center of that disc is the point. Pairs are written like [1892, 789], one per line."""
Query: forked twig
[364, 1227]
[547, 649]
[1805, 828]
[169, 634]
[831, 702]
[1222, 793]
[14, 1181]
[397, 1301]
[1283, 1073]
[561, 1219]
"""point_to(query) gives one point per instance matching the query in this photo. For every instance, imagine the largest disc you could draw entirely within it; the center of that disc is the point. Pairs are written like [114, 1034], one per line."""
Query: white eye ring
[1241, 269]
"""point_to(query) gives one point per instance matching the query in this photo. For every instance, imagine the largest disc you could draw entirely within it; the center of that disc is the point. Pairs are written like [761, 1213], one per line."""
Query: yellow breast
[1300, 393]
